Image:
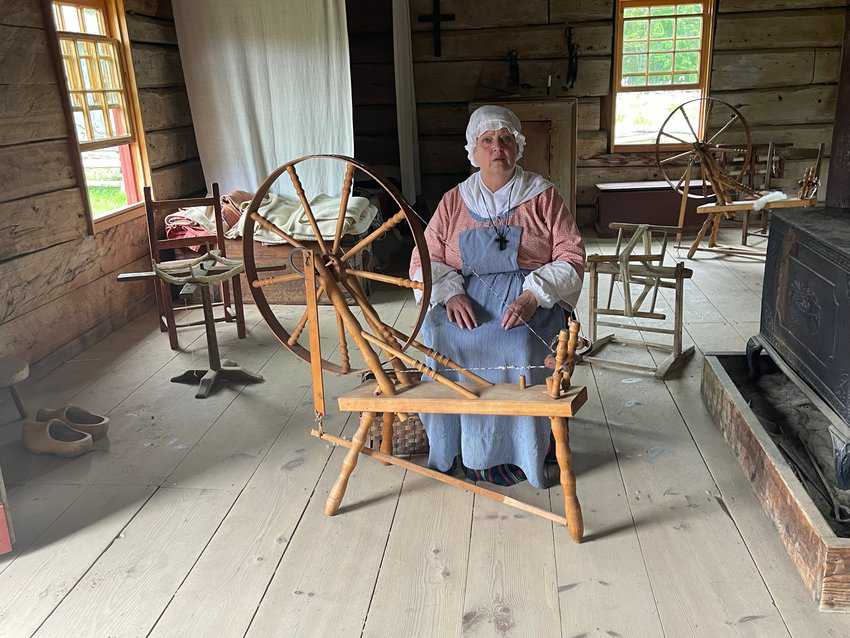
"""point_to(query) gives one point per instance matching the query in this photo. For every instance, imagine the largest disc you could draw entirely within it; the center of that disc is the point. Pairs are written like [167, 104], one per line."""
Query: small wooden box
[644, 203]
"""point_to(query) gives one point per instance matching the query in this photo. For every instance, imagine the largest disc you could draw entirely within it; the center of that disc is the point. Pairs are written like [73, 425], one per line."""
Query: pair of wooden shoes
[66, 432]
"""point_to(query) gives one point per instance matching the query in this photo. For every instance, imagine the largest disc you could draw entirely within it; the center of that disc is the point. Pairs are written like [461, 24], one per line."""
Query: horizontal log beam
[25, 56]
[530, 42]
[165, 108]
[482, 80]
[31, 169]
[150, 30]
[469, 14]
[157, 66]
[40, 221]
[779, 29]
[171, 146]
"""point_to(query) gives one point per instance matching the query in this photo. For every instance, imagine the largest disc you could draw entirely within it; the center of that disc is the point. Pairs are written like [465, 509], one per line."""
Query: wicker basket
[408, 437]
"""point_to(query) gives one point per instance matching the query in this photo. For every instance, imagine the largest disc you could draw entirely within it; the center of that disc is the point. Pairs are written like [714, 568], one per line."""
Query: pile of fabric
[196, 221]
[284, 211]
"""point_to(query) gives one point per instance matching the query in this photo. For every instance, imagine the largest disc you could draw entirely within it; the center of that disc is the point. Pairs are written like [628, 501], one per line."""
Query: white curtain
[268, 81]
[408, 133]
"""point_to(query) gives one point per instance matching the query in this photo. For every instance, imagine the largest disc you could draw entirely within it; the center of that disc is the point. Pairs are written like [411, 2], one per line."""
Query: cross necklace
[501, 231]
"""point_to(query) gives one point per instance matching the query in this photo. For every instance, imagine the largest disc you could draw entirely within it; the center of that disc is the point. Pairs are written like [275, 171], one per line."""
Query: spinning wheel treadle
[395, 391]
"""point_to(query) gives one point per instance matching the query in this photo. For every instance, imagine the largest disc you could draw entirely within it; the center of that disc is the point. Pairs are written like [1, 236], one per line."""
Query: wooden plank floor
[201, 518]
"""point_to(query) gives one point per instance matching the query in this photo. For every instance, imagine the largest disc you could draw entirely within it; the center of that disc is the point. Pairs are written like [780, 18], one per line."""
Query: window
[100, 103]
[662, 59]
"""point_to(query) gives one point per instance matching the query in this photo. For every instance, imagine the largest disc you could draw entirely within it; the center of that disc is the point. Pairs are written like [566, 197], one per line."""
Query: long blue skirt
[500, 356]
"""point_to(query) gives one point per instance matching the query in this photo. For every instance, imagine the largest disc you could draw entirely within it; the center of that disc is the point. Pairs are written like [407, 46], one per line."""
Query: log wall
[777, 60]
[58, 288]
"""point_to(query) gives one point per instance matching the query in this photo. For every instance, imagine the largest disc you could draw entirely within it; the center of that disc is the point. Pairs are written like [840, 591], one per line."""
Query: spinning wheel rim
[710, 101]
[252, 272]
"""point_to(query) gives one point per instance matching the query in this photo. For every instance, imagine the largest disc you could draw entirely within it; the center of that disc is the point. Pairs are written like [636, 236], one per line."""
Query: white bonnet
[492, 118]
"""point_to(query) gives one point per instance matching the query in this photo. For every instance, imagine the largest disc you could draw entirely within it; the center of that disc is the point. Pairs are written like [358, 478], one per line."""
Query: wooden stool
[204, 271]
[14, 371]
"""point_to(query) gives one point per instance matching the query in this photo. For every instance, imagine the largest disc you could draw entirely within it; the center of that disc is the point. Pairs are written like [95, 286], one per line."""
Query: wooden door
[537, 157]
[549, 126]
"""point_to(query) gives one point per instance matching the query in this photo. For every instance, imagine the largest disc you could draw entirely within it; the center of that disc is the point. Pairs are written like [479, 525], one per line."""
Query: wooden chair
[633, 266]
[156, 211]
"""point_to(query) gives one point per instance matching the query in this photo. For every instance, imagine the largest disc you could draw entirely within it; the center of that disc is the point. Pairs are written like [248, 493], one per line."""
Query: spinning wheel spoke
[299, 327]
[368, 239]
[280, 279]
[343, 205]
[343, 346]
[677, 156]
[387, 279]
[273, 228]
[673, 137]
[296, 183]
[690, 126]
[383, 330]
[687, 172]
[723, 128]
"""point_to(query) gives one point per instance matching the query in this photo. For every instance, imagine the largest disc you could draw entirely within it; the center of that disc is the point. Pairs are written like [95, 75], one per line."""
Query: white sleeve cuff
[446, 282]
[552, 283]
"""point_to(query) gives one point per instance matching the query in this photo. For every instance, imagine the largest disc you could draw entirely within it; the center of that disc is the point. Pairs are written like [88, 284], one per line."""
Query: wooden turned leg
[348, 465]
[572, 508]
[712, 240]
[387, 434]
[702, 231]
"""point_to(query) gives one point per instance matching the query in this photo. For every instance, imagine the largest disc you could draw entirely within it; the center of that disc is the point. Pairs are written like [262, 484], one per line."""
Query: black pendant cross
[503, 242]
[437, 18]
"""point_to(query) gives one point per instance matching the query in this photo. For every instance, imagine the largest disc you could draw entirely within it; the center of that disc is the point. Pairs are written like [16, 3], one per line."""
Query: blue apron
[493, 281]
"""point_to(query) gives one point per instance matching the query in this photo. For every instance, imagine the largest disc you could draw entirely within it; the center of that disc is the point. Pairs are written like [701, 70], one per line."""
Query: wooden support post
[387, 434]
[353, 287]
[354, 329]
[315, 341]
[683, 207]
[572, 508]
[348, 465]
[594, 295]
[560, 357]
[678, 310]
[571, 355]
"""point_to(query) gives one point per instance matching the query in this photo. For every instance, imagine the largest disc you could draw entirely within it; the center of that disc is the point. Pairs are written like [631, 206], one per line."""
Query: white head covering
[492, 118]
[524, 185]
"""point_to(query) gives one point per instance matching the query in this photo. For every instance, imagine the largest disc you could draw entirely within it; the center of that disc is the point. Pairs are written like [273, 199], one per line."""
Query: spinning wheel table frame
[395, 392]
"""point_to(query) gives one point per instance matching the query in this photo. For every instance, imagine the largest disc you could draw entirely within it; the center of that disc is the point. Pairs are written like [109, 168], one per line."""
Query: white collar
[484, 203]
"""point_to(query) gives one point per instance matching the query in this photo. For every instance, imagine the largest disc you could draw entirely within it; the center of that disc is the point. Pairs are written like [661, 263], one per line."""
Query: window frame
[704, 84]
[116, 32]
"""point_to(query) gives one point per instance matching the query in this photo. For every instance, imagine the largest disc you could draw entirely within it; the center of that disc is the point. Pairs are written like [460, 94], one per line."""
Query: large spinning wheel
[725, 135]
[394, 393]
[330, 256]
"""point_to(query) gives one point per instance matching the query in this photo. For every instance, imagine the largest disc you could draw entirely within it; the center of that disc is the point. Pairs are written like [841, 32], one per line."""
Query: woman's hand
[520, 311]
[460, 312]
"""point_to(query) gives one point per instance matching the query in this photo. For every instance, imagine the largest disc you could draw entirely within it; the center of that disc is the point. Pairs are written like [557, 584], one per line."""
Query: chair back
[157, 210]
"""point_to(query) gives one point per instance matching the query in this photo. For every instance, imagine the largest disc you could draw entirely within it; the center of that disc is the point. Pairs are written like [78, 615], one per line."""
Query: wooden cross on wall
[437, 18]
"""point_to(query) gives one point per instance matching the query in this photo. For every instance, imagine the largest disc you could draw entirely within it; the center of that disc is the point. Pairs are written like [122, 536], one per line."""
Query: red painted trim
[5, 537]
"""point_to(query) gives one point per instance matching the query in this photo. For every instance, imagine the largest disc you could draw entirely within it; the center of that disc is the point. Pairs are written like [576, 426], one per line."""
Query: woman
[507, 263]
